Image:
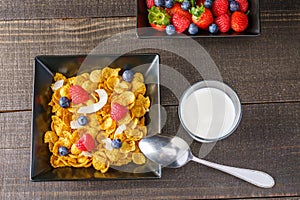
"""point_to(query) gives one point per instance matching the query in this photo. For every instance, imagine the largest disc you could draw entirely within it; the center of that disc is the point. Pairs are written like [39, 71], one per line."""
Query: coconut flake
[120, 129]
[96, 106]
[58, 84]
[107, 142]
[75, 125]
[86, 153]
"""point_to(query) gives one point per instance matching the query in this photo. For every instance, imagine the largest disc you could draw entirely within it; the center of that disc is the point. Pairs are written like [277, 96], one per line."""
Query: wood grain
[275, 150]
[256, 68]
[35, 9]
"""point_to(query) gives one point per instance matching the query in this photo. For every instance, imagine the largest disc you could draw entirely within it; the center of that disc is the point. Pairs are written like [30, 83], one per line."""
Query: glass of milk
[209, 111]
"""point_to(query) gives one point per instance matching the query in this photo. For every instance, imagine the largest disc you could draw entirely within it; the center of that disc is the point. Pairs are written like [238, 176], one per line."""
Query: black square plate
[144, 29]
[44, 70]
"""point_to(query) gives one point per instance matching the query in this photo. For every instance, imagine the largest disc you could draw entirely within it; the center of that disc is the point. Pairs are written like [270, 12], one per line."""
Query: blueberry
[169, 3]
[170, 29]
[116, 143]
[234, 6]
[159, 2]
[208, 3]
[63, 151]
[193, 29]
[185, 5]
[64, 102]
[127, 75]
[213, 28]
[82, 120]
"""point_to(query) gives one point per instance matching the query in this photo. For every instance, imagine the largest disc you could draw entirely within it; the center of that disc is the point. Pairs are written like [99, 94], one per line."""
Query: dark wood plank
[34, 9]
[267, 139]
[260, 69]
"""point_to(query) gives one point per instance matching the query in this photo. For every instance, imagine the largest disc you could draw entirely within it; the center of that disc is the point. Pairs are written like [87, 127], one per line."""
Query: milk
[208, 113]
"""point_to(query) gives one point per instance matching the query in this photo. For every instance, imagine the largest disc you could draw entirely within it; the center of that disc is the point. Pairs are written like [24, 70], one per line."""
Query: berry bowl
[197, 18]
[45, 86]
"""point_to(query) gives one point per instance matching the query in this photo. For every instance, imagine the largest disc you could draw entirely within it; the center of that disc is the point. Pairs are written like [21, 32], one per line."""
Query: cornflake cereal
[102, 130]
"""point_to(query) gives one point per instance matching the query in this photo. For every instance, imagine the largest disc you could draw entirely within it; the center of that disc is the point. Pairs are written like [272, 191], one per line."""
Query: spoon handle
[258, 178]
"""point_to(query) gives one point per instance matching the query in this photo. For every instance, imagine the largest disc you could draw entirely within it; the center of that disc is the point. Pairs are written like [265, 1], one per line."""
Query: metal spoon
[174, 152]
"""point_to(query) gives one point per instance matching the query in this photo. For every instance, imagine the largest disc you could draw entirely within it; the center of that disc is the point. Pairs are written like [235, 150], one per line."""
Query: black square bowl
[44, 70]
[144, 29]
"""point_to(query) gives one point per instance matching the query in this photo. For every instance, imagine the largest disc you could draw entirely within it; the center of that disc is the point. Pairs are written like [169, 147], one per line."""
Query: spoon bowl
[174, 152]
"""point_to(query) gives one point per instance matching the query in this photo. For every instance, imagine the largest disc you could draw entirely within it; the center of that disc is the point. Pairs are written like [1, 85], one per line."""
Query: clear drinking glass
[210, 111]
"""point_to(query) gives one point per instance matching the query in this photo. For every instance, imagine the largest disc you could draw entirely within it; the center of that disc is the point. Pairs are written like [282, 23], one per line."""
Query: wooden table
[264, 71]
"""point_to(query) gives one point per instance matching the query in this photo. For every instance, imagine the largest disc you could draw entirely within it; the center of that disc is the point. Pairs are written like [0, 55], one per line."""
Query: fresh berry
[223, 22]
[158, 18]
[85, 143]
[177, 9]
[64, 102]
[234, 6]
[180, 22]
[117, 111]
[185, 5]
[169, 3]
[202, 17]
[82, 120]
[213, 28]
[208, 3]
[239, 21]
[127, 75]
[220, 7]
[243, 5]
[170, 30]
[78, 94]
[63, 151]
[159, 2]
[116, 143]
[150, 3]
[193, 29]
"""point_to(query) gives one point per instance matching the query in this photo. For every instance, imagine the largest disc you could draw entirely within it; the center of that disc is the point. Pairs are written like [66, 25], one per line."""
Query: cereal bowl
[45, 70]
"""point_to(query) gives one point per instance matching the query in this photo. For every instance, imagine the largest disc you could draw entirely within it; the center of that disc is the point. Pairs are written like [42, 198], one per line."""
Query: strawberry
[220, 7]
[223, 23]
[85, 143]
[78, 94]
[158, 18]
[202, 17]
[150, 3]
[239, 21]
[177, 9]
[117, 111]
[243, 5]
[180, 22]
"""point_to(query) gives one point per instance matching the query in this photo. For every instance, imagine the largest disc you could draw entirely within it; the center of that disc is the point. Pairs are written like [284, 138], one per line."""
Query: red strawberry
[223, 23]
[202, 17]
[78, 94]
[243, 5]
[177, 9]
[180, 22]
[239, 21]
[150, 3]
[85, 143]
[117, 111]
[158, 27]
[220, 7]
[158, 18]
